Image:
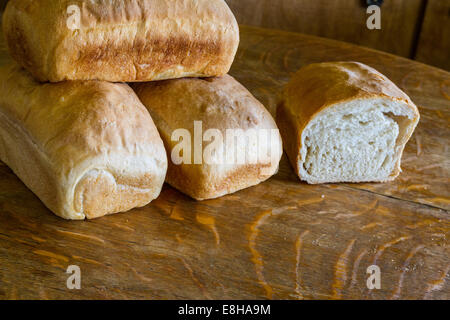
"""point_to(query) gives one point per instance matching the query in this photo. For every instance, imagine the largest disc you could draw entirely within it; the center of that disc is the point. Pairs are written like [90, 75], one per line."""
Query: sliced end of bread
[357, 141]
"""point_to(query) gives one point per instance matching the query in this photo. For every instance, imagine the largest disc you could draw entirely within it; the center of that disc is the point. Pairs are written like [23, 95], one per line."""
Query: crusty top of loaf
[105, 12]
[221, 103]
[318, 86]
[83, 119]
[116, 38]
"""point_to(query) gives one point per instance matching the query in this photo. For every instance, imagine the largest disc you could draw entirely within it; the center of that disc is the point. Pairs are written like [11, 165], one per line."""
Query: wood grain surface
[282, 239]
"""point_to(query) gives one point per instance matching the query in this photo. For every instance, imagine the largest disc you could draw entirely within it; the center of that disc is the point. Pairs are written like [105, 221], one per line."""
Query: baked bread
[345, 122]
[121, 40]
[227, 159]
[85, 148]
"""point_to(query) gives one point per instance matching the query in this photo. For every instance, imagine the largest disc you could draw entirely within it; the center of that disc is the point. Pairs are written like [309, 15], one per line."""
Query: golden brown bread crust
[317, 87]
[86, 149]
[220, 103]
[122, 40]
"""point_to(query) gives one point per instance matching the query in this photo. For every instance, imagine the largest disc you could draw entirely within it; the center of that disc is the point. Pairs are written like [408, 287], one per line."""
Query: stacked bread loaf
[83, 141]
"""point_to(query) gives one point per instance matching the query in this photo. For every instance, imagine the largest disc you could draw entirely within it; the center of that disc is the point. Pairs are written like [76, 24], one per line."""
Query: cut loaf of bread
[345, 122]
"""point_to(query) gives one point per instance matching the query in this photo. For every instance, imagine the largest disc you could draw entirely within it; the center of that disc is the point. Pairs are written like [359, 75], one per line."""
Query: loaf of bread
[215, 121]
[345, 122]
[121, 40]
[85, 148]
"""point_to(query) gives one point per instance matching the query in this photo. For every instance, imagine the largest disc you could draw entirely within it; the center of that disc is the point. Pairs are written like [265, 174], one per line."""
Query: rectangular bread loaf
[85, 148]
[209, 127]
[345, 122]
[121, 40]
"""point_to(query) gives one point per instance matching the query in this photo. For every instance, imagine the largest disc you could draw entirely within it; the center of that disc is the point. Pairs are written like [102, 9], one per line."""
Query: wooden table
[282, 239]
